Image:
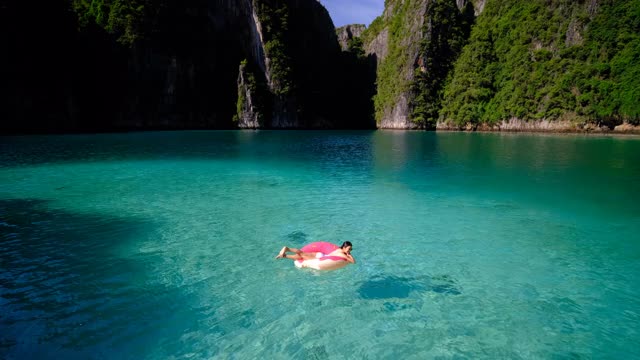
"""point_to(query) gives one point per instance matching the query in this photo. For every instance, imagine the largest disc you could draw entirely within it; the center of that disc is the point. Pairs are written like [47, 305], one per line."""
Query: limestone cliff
[310, 82]
[301, 63]
[347, 33]
[107, 65]
[538, 64]
[408, 40]
[548, 65]
[395, 39]
[167, 65]
[252, 107]
[71, 71]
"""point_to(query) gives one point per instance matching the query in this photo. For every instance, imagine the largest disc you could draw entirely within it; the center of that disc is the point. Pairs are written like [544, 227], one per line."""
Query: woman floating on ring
[320, 255]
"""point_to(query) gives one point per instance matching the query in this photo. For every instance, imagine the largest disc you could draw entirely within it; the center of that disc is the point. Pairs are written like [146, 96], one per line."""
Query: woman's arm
[350, 258]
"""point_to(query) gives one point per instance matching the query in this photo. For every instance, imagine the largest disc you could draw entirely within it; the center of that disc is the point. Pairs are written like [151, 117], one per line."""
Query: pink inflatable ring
[322, 261]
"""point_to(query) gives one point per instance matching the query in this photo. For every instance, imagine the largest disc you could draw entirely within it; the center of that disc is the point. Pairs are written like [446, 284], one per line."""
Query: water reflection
[586, 170]
[397, 151]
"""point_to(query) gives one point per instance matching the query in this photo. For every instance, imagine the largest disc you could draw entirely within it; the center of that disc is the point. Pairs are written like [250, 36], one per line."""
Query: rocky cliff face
[178, 77]
[281, 64]
[250, 114]
[394, 39]
[82, 78]
[310, 82]
[548, 65]
[180, 70]
[348, 32]
[378, 45]
[398, 40]
[301, 56]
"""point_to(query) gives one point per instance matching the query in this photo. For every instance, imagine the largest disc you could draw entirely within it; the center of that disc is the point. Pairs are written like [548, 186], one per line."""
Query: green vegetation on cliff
[391, 81]
[540, 59]
[120, 17]
[373, 30]
[275, 28]
[354, 46]
[171, 64]
[257, 86]
[446, 31]
[423, 39]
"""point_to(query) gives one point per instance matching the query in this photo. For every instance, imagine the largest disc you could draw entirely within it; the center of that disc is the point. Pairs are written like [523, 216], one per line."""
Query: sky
[344, 12]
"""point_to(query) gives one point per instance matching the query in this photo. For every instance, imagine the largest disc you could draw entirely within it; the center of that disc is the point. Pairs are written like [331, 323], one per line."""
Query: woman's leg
[298, 254]
[283, 252]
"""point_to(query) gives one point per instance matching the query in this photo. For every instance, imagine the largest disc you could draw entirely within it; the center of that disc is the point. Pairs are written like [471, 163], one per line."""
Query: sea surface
[161, 245]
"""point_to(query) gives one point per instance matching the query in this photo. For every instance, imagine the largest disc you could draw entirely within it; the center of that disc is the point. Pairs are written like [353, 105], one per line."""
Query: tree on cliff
[446, 31]
[543, 59]
[122, 17]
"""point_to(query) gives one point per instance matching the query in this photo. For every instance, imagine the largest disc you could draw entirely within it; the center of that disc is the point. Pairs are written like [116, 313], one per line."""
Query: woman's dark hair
[345, 244]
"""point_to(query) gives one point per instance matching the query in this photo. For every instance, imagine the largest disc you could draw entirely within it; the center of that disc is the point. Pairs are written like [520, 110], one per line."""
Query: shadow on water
[297, 238]
[397, 287]
[66, 293]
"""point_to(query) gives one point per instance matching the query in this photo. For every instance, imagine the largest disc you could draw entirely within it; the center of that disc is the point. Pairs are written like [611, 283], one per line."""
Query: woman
[343, 252]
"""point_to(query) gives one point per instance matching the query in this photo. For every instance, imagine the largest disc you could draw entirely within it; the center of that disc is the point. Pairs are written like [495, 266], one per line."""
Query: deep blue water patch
[297, 238]
[62, 287]
[398, 287]
[388, 287]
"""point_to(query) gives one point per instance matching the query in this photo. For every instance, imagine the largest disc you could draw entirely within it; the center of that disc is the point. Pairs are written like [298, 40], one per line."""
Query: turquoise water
[161, 245]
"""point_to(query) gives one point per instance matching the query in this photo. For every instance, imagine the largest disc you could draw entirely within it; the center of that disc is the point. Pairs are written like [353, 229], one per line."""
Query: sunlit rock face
[348, 32]
[400, 40]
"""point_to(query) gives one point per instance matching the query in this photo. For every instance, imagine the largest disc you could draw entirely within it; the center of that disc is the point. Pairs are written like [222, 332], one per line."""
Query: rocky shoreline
[547, 126]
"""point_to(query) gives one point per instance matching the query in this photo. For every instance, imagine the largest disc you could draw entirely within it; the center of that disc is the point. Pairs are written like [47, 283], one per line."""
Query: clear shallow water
[161, 245]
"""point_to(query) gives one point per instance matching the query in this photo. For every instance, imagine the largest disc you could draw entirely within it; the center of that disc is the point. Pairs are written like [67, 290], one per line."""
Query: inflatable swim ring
[321, 262]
